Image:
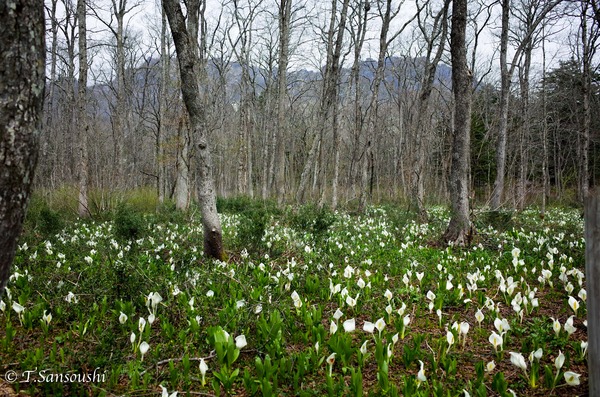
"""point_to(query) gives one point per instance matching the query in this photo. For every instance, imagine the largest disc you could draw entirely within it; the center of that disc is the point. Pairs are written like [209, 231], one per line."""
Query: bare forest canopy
[315, 103]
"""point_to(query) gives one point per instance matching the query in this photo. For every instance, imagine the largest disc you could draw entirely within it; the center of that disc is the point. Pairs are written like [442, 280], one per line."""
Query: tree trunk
[22, 31]
[83, 125]
[496, 200]
[50, 107]
[544, 133]
[506, 74]
[588, 43]
[440, 28]
[188, 59]
[459, 228]
[366, 186]
[524, 130]
[182, 185]
[329, 98]
[592, 272]
[162, 105]
[119, 8]
[358, 40]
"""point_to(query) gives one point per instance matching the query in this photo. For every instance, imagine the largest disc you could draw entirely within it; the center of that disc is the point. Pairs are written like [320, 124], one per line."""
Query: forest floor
[308, 303]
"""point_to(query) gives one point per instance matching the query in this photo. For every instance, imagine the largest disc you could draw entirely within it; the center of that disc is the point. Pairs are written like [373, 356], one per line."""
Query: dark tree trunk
[459, 228]
[22, 32]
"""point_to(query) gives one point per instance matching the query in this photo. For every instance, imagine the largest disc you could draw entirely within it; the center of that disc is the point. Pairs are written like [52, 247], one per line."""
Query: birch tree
[22, 31]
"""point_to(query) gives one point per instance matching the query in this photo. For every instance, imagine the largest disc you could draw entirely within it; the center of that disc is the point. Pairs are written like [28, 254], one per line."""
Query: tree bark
[592, 271]
[185, 45]
[589, 37]
[439, 33]
[120, 9]
[160, 138]
[182, 184]
[524, 130]
[496, 199]
[22, 32]
[83, 125]
[246, 115]
[459, 228]
[544, 133]
[285, 15]
[49, 122]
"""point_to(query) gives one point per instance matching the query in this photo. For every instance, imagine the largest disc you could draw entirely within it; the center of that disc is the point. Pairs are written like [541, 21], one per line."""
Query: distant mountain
[399, 72]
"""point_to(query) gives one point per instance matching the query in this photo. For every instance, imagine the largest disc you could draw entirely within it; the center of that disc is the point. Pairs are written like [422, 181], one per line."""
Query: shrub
[251, 228]
[42, 218]
[241, 204]
[167, 213]
[312, 219]
[499, 219]
[129, 223]
[50, 221]
[254, 218]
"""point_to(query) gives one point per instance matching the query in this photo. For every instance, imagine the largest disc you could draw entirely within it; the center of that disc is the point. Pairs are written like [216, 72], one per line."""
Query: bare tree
[187, 54]
[22, 31]
[329, 96]
[162, 108]
[459, 228]
[51, 101]
[284, 8]
[244, 16]
[589, 35]
[506, 73]
[119, 9]
[358, 31]
[387, 13]
[436, 38]
[82, 118]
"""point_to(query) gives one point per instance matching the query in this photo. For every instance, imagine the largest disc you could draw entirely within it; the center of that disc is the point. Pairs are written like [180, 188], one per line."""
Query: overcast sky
[143, 24]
